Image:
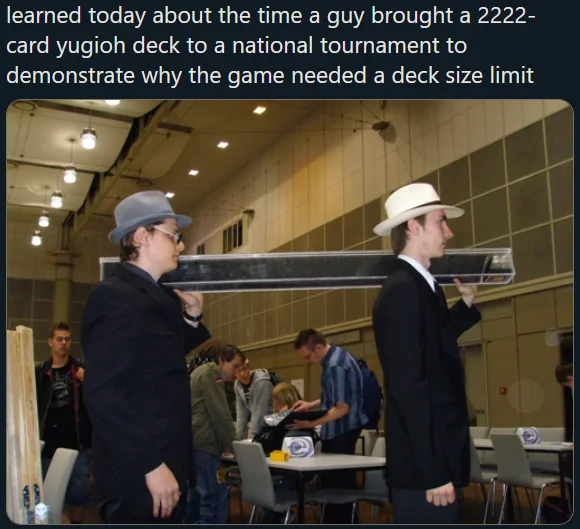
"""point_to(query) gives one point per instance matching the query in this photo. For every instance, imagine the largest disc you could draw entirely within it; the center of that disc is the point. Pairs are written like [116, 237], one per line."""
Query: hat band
[434, 203]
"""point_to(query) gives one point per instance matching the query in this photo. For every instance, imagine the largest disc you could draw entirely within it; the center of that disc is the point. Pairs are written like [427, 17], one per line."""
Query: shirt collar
[421, 269]
[327, 356]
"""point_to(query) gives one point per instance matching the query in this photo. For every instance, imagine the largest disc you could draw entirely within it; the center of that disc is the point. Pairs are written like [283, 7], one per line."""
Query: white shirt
[421, 269]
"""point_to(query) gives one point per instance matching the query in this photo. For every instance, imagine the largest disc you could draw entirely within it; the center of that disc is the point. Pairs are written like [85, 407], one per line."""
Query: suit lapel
[436, 300]
[155, 292]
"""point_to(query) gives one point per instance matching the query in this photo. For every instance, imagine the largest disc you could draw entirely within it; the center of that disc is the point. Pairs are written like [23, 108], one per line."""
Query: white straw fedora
[412, 201]
[141, 209]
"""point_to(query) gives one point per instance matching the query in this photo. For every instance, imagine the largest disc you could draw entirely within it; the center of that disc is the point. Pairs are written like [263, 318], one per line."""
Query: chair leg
[375, 514]
[252, 514]
[539, 509]
[353, 512]
[240, 501]
[488, 499]
[287, 516]
[493, 497]
[506, 490]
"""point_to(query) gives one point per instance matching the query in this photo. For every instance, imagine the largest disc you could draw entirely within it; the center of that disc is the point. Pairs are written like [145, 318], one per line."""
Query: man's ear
[140, 237]
[413, 226]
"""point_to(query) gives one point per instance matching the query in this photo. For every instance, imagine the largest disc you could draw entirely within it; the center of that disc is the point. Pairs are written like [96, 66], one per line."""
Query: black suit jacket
[136, 385]
[427, 423]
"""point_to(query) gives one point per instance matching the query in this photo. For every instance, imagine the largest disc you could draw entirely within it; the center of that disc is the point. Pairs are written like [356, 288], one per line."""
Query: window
[233, 236]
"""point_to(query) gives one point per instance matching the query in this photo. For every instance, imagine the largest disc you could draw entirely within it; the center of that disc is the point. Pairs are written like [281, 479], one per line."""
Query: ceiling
[43, 136]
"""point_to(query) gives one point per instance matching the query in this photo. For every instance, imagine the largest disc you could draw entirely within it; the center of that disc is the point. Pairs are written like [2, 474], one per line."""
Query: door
[476, 383]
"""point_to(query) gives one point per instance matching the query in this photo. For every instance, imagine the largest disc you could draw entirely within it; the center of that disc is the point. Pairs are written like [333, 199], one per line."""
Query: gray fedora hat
[142, 209]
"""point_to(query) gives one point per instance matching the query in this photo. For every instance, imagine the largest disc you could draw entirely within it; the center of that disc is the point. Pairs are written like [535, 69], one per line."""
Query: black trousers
[340, 479]
[412, 507]
[114, 511]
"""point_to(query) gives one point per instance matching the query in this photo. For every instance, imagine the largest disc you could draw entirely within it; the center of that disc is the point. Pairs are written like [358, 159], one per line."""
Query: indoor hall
[310, 176]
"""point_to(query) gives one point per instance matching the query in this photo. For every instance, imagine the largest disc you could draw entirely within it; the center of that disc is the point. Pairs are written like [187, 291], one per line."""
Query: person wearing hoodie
[253, 389]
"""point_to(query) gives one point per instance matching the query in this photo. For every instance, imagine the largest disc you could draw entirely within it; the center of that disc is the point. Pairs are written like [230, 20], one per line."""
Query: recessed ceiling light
[223, 144]
[112, 102]
[169, 195]
[193, 172]
[259, 110]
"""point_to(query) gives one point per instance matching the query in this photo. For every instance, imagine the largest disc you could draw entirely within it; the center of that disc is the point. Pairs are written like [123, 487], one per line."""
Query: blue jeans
[209, 502]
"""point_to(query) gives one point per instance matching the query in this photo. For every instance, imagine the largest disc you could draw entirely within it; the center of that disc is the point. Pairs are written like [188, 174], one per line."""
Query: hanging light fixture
[70, 172]
[44, 219]
[36, 238]
[89, 138]
[56, 200]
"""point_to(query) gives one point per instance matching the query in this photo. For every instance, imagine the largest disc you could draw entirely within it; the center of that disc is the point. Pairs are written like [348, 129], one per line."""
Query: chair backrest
[257, 483]
[375, 479]
[474, 463]
[487, 457]
[479, 432]
[547, 462]
[56, 481]
[513, 466]
[554, 435]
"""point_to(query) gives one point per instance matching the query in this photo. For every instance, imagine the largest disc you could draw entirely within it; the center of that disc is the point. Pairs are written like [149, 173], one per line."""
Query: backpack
[556, 510]
[275, 379]
[373, 398]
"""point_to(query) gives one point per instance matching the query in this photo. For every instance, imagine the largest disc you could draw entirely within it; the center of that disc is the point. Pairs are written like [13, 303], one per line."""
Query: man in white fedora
[427, 422]
[135, 334]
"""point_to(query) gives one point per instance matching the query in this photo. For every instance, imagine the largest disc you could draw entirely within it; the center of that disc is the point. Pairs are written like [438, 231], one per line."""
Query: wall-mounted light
[56, 200]
[112, 102]
[44, 219]
[36, 238]
[222, 144]
[169, 194]
[88, 138]
[193, 172]
[259, 110]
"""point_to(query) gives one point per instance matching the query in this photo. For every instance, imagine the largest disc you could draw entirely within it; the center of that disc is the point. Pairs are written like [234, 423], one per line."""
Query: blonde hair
[284, 396]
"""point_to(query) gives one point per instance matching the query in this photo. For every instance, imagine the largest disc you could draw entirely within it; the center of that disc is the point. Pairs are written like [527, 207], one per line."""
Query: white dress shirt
[421, 269]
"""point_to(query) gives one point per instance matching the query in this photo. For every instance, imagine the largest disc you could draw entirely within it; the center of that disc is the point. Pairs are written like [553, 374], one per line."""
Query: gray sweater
[259, 404]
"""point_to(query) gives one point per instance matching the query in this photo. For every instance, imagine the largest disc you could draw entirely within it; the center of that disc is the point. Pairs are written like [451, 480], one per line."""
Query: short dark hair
[309, 338]
[130, 252]
[563, 371]
[400, 235]
[58, 326]
[219, 350]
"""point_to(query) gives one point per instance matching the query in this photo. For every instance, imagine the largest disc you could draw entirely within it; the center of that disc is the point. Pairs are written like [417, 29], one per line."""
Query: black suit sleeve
[110, 343]
[194, 337]
[462, 317]
[403, 358]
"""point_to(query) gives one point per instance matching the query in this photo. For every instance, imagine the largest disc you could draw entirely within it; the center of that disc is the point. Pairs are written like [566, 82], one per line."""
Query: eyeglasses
[176, 236]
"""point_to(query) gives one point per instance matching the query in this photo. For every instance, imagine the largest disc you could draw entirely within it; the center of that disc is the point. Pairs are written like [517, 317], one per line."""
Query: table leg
[300, 498]
[562, 474]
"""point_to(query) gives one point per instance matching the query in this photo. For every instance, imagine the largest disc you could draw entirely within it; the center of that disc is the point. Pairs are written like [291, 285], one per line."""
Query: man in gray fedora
[135, 334]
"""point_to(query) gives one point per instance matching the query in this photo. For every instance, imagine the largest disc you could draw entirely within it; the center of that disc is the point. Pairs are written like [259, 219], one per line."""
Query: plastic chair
[56, 481]
[482, 478]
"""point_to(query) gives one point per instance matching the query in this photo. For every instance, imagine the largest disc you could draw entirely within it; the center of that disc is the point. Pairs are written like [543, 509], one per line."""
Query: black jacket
[43, 374]
[136, 383]
[427, 423]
